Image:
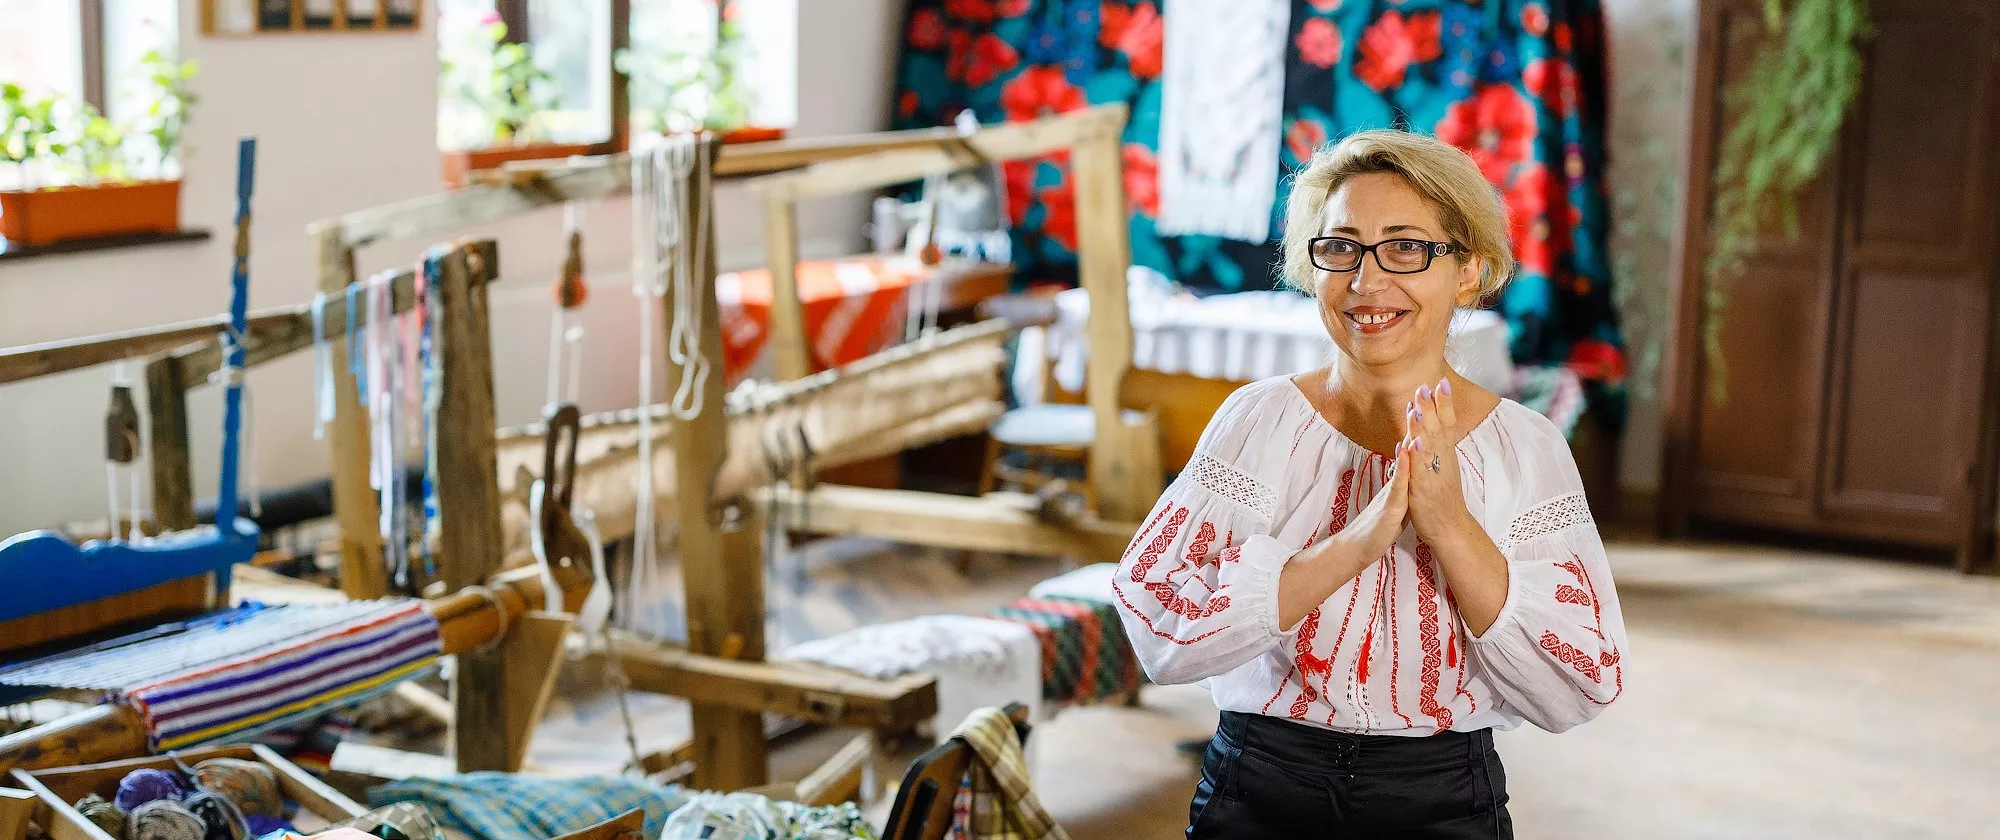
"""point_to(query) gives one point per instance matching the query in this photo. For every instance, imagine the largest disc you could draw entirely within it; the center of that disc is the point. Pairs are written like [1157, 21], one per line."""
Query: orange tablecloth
[853, 307]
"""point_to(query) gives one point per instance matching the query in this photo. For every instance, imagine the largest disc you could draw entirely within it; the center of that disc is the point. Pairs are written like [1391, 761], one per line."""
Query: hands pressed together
[1425, 491]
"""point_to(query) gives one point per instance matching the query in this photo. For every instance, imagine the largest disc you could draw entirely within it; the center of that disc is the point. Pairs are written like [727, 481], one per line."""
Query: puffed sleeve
[1555, 654]
[1198, 586]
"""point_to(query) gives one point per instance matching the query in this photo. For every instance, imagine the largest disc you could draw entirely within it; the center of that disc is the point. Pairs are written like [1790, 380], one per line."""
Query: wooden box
[58, 787]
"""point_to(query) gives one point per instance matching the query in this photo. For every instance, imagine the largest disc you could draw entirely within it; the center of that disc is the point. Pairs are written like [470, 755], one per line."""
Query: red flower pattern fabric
[1386, 52]
[1142, 42]
[1142, 179]
[1039, 91]
[1496, 127]
[1319, 43]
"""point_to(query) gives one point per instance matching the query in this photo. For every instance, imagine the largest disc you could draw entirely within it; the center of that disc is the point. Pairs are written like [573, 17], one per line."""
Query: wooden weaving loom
[470, 619]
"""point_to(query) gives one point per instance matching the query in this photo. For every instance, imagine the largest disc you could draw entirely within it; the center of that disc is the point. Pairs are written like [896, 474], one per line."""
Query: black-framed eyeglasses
[1396, 256]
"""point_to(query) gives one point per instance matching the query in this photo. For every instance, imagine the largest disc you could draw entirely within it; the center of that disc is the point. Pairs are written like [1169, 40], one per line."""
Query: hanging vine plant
[1805, 76]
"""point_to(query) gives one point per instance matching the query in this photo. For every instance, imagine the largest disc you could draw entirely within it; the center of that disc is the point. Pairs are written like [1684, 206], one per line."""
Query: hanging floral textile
[1519, 84]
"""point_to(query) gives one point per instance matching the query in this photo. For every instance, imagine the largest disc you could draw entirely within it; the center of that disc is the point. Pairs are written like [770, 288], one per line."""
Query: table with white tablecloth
[1247, 336]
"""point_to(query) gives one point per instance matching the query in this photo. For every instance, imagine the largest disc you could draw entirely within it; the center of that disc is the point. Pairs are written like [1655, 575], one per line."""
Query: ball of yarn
[164, 819]
[221, 816]
[262, 824]
[146, 785]
[100, 812]
[249, 784]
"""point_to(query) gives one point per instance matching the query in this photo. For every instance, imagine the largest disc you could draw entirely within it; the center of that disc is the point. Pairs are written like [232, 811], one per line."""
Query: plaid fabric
[504, 806]
[1085, 656]
[1002, 805]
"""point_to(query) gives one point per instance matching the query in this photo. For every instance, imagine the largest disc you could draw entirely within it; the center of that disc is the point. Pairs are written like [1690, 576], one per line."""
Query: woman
[1375, 564]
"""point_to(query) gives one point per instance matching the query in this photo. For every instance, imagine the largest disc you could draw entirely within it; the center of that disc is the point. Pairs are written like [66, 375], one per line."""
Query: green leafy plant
[99, 147]
[1805, 76]
[168, 102]
[689, 89]
[502, 82]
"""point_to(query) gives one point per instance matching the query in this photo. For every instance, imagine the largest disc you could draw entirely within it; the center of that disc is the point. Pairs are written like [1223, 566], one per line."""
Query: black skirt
[1267, 777]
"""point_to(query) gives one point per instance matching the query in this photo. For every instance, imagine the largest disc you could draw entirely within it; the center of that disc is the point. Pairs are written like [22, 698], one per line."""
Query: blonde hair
[1470, 208]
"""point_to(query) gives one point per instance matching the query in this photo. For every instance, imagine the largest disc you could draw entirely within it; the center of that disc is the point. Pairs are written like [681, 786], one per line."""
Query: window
[91, 52]
[574, 46]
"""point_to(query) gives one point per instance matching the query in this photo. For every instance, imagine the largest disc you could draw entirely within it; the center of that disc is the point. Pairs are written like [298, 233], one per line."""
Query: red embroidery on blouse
[1395, 641]
[1608, 656]
[1304, 663]
[1427, 625]
[1300, 435]
[1164, 591]
[1568, 594]
[1568, 655]
[1197, 550]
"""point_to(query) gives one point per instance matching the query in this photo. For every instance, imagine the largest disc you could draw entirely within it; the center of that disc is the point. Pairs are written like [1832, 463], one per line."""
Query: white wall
[346, 122]
[1651, 43]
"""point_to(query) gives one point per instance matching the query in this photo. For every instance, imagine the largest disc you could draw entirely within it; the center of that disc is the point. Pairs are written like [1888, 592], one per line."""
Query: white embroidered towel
[1223, 93]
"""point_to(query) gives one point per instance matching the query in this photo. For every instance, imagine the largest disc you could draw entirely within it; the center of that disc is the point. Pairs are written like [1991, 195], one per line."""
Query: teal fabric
[505, 806]
[1519, 84]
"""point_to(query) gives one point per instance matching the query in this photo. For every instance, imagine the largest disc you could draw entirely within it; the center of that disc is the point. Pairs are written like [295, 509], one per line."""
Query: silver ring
[1435, 463]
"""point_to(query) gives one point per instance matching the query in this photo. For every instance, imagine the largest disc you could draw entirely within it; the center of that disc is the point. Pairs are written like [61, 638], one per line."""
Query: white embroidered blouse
[1387, 653]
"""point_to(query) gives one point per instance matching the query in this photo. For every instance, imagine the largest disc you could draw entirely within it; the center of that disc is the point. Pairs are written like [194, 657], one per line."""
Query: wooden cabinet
[1859, 356]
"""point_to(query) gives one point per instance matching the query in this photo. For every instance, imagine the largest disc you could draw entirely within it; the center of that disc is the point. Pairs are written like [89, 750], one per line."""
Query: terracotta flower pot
[752, 134]
[459, 166]
[54, 214]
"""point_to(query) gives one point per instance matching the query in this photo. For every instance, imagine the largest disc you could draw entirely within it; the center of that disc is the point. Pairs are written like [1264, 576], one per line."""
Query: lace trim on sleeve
[1233, 485]
[1557, 514]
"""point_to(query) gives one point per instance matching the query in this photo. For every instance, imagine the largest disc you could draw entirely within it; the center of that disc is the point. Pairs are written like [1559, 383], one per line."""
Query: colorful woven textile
[1000, 804]
[1085, 656]
[242, 672]
[503, 806]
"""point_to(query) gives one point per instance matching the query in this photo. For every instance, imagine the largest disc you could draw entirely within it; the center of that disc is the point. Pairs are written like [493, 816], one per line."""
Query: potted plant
[73, 167]
[681, 89]
[503, 92]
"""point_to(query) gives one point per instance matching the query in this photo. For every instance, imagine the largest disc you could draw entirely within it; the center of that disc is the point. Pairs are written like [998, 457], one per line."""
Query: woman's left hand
[1437, 499]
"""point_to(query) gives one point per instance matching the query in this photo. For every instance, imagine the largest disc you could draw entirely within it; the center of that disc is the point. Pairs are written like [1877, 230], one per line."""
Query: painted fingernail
[1417, 444]
[1420, 414]
[1423, 392]
[1445, 386]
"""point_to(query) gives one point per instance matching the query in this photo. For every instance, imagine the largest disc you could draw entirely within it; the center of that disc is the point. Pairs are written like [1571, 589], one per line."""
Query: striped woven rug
[230, 676]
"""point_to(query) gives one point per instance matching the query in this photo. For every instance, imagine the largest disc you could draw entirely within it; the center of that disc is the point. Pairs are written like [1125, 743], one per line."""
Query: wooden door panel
[1905, 390]
[1756, 449]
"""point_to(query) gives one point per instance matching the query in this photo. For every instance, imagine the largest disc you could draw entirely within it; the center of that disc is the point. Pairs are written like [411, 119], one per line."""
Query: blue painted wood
[42, 571]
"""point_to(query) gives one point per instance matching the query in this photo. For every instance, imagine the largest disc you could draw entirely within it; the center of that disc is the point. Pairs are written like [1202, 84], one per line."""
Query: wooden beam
[100, 733]
[892, 162]
[16, 807]
[788, 314]
[362, 573]
[806, 692]
[722, 571]
[772, 156]
[446, 212]
[1124, 486]
[279, 332]
[173, 471]
[840, 778]
[53, 357]
[468, 488]
[1003, 522]
[533, 655]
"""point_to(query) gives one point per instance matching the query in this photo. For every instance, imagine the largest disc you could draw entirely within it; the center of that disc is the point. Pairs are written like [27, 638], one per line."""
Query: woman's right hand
[1314, 575]
[1372, 531]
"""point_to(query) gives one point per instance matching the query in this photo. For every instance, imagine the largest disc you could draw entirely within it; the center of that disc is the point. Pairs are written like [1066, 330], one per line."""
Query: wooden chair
[630, 825]
[922, 810]
[1047, 435]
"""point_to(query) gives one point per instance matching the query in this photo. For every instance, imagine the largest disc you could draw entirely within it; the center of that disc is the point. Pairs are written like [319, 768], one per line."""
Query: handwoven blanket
[259, 667]
[1085, 655]
[505, 806]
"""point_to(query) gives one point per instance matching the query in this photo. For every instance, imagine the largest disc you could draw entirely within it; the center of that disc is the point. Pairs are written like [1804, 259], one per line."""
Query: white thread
[323, 350]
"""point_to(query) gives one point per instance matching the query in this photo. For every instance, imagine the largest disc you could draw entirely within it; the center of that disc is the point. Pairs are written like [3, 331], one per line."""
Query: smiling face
[1379, 319]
